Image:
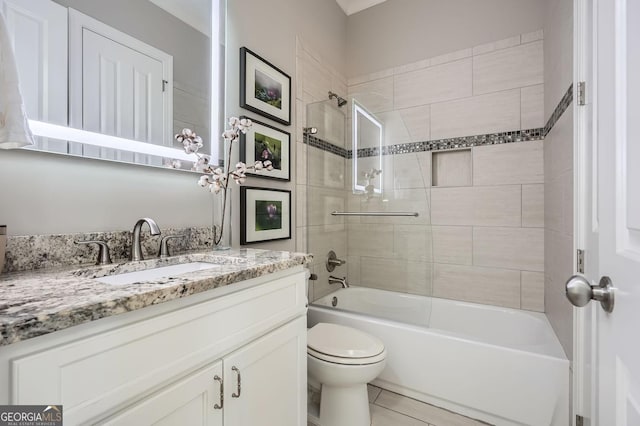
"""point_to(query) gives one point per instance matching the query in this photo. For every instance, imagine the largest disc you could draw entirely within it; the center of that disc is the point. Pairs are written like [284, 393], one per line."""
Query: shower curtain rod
[413, 214]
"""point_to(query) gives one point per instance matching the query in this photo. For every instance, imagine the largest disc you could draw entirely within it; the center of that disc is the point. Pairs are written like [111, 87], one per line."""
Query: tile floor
[391, 409]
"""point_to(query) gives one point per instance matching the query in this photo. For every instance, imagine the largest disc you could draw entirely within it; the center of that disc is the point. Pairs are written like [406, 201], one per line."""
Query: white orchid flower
[268, 165]
[215, 187]
[241, 167]
[233, 121]
[257, 166]
[230, 135]
[204, 181]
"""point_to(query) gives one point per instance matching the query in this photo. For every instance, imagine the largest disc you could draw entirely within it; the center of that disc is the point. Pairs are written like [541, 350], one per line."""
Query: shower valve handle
[333, 261]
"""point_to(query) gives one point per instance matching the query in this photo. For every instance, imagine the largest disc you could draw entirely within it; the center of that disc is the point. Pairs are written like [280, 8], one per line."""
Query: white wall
[558, 167]
[270, 30]
[51, 194]
[397, 32]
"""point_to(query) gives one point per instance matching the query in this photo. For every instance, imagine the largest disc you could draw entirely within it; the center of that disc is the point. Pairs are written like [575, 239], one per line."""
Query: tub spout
[342, 281]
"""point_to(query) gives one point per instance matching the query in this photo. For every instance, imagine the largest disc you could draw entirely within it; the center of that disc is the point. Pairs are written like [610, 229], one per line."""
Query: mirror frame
[357, 111]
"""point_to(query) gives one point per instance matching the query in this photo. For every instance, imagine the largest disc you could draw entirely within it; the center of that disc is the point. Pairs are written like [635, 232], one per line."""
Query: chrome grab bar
[412, 214]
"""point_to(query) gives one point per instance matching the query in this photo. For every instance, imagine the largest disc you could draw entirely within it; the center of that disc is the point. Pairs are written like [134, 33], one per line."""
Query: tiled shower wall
[479, 235]
[318, 231]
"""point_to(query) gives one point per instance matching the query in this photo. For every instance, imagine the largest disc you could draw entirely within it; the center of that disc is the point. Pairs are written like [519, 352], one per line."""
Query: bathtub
[503, 366]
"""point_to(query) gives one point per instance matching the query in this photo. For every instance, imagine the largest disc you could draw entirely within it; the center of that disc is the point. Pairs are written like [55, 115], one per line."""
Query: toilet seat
[344, 345]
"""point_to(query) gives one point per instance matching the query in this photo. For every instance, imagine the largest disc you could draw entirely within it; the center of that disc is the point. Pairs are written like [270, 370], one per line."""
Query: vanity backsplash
[46, 251]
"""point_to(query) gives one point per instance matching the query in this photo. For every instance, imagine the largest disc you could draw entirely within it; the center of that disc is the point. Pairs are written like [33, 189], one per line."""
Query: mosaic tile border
[434, 145]
[325, 146]
[565, 102]
[452, 143]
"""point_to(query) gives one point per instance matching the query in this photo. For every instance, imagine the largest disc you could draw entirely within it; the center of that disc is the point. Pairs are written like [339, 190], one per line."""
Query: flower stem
[218, 238]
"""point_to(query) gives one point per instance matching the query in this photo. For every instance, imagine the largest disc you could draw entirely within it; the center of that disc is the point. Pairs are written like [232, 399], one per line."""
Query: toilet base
[344, 406]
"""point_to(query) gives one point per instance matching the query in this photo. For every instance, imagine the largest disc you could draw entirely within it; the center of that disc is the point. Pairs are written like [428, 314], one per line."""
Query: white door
[193, 401]
[609, 217]
[120, 86]
[38, 29]
[266, 380]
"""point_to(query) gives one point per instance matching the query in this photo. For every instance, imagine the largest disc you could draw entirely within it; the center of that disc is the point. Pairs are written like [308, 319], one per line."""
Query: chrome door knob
[580, 292]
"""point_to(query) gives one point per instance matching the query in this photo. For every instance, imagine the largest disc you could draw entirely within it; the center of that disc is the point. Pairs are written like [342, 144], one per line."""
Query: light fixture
[360, 113]
[64, 133]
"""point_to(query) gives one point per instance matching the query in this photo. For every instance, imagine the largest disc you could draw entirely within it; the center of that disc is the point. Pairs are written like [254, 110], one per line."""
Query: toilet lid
[344, 342]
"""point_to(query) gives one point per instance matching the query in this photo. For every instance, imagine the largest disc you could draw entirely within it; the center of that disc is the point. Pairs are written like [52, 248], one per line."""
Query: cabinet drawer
[95, 375]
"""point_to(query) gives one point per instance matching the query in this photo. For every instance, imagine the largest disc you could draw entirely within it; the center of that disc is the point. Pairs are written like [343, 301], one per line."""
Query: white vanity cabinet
[164, 364]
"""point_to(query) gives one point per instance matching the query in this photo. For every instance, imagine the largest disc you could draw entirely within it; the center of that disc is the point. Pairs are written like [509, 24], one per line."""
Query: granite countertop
[34, 303]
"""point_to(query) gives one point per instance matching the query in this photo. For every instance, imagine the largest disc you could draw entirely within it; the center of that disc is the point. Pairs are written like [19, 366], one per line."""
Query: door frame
[585, 142]
[78, 21]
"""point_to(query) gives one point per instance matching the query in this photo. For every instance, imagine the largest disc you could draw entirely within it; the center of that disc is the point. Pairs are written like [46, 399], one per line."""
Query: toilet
[342, 360]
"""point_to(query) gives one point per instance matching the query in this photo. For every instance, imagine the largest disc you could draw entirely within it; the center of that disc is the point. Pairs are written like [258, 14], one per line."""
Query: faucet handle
[103, 251]
[164, 247]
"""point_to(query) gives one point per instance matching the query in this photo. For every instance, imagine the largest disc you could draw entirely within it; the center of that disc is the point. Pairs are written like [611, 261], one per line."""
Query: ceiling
[354, 6]
[196, 13]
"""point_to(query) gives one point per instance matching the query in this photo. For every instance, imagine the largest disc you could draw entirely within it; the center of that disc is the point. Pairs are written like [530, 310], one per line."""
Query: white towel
[14, 127]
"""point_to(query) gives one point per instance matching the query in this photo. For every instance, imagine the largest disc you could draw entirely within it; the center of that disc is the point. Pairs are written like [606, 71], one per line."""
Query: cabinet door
[266, 380]
[190, 401]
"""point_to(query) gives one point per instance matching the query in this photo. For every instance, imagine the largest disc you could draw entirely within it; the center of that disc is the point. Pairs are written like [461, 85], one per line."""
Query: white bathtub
[500, 365]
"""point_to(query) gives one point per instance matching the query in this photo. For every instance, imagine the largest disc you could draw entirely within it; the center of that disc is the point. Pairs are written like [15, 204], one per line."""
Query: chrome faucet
[342, 281]
[136, 247]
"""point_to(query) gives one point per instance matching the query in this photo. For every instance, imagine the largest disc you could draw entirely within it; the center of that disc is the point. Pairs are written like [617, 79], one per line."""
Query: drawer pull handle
[237, 370]
[219, 406]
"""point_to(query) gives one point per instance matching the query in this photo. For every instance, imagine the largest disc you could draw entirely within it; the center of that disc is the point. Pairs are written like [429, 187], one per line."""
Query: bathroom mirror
[367, 151]
[138, 70]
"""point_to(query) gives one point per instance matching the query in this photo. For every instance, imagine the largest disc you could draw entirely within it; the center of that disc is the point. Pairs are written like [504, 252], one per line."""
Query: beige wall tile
[509, 248]
[452, 206]
[325, 169]
[532, 287]
[520, 162]
[497, 205]
[450, 57]
[301, 205]
[408, 172]
[500, 44]
[452, 244]
[532, 36]
[417, 122]
[533, 206]
[323, 238]
[452, 168]
[376, 96]
[394, 130]
[321, 202]
[424, 160]
[316, 78]
[412, 66]
[301, 239]
[367, 240]
[495, 112]
[396, 275]
[413, 242]
[301, 163]
[400, 200]
[434, 84]
[532, 106]
[510, 68]
[353, 270]
[479, 285]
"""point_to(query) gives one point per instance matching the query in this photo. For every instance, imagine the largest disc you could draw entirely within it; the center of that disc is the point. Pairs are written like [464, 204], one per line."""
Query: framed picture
[265, 215]
[263, 142]
[264, 89]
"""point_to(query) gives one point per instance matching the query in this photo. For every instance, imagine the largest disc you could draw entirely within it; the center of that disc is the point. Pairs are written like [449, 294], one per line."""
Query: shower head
[341, 101]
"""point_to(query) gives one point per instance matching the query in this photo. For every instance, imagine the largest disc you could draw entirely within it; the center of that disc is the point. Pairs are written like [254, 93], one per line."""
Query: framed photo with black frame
[265, 215]
[264, 88]
[263, 142]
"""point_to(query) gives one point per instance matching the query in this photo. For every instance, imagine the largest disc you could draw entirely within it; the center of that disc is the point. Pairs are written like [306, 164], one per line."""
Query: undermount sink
[155, 273]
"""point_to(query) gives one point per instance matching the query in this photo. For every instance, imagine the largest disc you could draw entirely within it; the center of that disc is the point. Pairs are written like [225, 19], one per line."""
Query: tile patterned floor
[391, 409]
